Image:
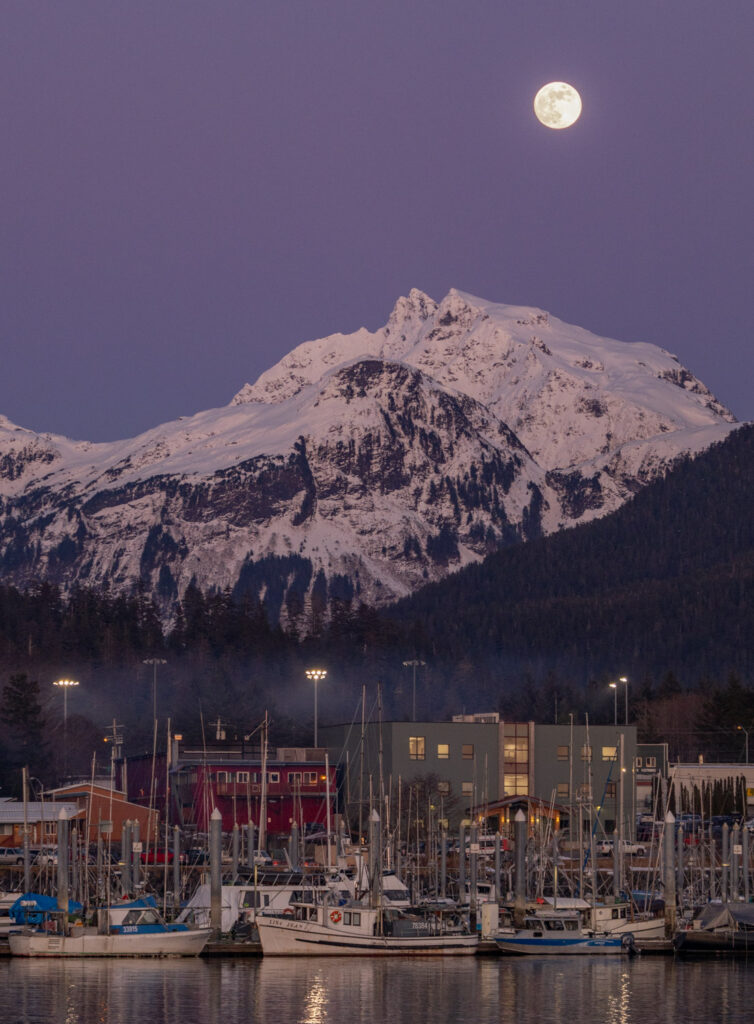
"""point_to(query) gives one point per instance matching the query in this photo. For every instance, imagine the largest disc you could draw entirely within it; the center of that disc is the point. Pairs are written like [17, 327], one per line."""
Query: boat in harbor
[323, 928]
[133, 928]
[554, 932]
[719, 928]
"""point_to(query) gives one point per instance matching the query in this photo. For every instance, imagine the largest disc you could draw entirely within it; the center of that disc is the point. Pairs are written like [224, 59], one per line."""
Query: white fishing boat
[132, 928]
[355, 929]
[614, 917]
[557, 933]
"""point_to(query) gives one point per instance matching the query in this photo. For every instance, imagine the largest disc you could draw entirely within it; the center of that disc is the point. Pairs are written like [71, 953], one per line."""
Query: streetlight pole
[740, 728]
[154, 662]
[624, 680]
[65, 685]
[315, 674]
[614, 688]
[413, 663]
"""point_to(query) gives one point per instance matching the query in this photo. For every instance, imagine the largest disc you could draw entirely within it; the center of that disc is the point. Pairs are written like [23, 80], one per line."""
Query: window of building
[562, 790]
[443, 751]
[611, 790]
[294, 777]
[223, 776]
[467, 788]
[467, 751]
[584, 792]
[650, 762]
[609, 753]
[242, 776]
[516, 784]
[356, 918]
[638, 762]
[416, 748]
[563, 753]
[443, 788]
[310, 778]
[586, 753]
[273, 776]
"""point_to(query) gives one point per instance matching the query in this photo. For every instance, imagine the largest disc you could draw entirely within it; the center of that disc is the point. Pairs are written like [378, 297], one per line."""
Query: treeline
[661, 591]
[666, 583]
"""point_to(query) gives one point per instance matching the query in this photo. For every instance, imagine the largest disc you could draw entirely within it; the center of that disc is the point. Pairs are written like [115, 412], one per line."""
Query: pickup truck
[630, 848]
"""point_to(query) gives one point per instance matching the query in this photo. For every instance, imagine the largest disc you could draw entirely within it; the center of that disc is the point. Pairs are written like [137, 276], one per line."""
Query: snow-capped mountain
[360, 465]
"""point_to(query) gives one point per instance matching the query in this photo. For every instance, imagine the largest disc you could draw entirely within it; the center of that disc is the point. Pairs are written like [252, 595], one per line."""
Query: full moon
[557, 105]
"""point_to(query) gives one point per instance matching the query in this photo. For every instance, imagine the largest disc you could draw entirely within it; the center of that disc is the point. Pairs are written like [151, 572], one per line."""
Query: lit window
[467, 788]
[443, 788]
[310, 778]
[416, 748]
[563, 753]
[443, 751]
[563, 790]
[516, 784]
[609, 753]
[467, 751]
[611, 790]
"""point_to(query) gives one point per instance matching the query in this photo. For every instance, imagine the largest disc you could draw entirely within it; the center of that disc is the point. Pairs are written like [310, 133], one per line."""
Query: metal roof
[12, 811]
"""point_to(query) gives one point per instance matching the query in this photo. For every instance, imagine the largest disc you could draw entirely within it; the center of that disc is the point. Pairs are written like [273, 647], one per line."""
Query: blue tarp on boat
[35, 907]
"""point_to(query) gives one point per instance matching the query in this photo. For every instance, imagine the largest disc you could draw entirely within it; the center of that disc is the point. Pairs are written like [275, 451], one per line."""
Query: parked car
[46, 855]
[153, 856]
[11, 855]
[629, 847]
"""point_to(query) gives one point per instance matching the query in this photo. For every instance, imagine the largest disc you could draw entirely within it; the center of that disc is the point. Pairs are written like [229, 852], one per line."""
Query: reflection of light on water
[71, 1011]
[618, 1008]
[315, 1003]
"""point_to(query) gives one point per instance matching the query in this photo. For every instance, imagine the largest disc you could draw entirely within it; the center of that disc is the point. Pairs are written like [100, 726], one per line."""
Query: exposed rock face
[361, 465]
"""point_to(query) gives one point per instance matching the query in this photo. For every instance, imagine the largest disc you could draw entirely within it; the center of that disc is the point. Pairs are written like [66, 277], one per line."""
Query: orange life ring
[288, 911]
[335, 916]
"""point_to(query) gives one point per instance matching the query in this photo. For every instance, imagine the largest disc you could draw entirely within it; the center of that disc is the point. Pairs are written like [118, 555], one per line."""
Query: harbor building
[482, 761]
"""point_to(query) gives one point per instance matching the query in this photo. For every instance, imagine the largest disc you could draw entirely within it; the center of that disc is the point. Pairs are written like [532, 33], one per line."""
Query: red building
[229, 778]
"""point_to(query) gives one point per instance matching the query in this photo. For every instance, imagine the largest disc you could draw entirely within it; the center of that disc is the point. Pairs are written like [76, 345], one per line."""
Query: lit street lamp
[414, 663]
[154, 662]
[740, 728]
[624, 680]
[614, 688]
[315, 674]
[65, 685]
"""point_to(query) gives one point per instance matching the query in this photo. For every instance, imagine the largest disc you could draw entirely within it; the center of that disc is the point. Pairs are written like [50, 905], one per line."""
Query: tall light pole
[315, 674]
[740, 728]
[65, 685]
[154, 662]
[414, 663]
[624, 680]
[614, 688]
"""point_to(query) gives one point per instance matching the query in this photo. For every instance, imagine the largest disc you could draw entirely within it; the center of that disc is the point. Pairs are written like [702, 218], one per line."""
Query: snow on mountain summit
[361, 465]
[549, 381]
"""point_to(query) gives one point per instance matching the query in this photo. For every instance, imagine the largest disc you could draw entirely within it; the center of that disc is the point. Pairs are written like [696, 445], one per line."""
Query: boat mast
[262, 837]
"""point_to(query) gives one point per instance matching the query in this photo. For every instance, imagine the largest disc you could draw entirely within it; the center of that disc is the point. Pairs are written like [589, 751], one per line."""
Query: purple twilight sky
[190, 188]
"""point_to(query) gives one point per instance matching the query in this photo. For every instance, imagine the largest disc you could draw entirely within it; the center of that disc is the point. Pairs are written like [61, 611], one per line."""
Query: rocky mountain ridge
[361, 465]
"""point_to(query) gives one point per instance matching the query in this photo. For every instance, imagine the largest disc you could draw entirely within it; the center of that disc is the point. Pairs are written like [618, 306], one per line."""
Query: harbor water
[578, 990]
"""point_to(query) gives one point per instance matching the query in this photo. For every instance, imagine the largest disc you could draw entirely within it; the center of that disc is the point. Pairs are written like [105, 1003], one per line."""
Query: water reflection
[364, 991]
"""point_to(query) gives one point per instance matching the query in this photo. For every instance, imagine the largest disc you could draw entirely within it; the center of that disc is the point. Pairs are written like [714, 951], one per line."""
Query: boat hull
[522, 945]
[284, 937]
[157, 944]
[739, 942]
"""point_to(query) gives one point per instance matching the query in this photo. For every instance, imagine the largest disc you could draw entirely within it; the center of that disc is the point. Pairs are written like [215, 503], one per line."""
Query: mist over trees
[662, 591]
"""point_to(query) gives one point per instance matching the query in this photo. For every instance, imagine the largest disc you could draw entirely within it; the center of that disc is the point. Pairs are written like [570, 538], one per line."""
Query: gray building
[482, 761]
